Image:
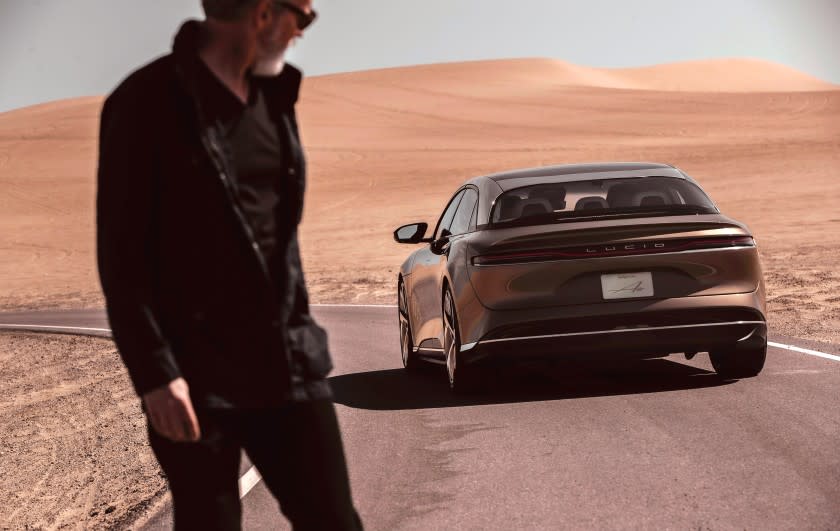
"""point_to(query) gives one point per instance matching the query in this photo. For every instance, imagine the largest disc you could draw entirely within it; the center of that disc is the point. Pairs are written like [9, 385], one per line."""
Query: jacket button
[292, 171]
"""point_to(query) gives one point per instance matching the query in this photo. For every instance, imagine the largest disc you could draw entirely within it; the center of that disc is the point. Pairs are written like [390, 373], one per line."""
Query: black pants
[296, 448]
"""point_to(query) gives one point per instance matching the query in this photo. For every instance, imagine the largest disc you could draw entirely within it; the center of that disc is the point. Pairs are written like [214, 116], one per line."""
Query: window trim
[470, 221]
[457, 195]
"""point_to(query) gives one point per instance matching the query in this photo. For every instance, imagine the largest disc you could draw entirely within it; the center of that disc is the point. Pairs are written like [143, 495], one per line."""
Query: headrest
[508, 207]
[621, 195]
[632, 194]
[591, 202]
[556, 196]
[651, 200]
[533, 207]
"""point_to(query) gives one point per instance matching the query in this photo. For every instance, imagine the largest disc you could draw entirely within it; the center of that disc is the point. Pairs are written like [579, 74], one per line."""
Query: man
[201, 183]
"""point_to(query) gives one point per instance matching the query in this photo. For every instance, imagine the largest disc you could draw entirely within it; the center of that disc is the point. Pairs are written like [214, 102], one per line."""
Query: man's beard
[270, 64]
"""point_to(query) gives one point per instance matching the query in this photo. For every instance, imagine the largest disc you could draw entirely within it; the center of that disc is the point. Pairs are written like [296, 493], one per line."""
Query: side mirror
[411, 233]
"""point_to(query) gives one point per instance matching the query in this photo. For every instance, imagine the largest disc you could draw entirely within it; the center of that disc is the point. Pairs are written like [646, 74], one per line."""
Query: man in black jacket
[201, 183]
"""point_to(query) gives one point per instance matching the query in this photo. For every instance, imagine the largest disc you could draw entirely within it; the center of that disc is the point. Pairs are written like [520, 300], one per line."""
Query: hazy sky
[51, 49]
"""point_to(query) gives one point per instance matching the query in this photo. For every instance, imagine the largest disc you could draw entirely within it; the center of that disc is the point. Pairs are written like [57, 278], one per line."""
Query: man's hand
[171, 412]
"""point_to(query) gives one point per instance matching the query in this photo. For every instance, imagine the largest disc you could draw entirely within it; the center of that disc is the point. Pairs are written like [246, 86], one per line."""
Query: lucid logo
[625, 247]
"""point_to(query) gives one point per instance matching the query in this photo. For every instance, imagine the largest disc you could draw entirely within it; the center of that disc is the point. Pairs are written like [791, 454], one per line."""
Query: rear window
[604, 198]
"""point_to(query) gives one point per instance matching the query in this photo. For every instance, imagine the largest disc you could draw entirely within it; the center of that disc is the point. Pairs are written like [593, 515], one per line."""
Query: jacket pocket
[310, 350]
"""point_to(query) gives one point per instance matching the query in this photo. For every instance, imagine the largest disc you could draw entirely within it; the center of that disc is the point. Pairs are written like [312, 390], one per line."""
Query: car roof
[576, 172]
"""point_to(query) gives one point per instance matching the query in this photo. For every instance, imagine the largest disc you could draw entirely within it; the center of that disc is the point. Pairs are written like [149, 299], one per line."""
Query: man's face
[279, 26]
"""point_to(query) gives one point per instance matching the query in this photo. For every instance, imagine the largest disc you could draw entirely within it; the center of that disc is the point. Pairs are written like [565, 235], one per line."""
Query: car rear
[638, 267]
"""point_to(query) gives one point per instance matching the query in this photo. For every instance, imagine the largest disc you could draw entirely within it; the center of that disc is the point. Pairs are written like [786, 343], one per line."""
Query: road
[653, 444]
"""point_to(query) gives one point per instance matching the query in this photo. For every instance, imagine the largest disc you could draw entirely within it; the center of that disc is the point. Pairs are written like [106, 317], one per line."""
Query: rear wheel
[734, 363]
[409, 357]
[462, 377]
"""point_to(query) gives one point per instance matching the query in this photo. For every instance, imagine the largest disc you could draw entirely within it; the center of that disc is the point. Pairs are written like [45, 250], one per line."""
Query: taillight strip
[618, 249]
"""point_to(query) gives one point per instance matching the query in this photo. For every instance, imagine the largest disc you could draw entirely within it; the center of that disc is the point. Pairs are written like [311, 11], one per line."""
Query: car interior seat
[650, 198]
[533, 207]
[628, 195]
[555, 195]
[621, 195]
[508, 207]
[591, 202]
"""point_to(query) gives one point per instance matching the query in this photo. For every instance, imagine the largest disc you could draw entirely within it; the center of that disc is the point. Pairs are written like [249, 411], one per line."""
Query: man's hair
[227, 9]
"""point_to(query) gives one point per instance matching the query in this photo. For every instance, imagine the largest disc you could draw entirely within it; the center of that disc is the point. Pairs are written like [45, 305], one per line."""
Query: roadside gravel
[73, 448]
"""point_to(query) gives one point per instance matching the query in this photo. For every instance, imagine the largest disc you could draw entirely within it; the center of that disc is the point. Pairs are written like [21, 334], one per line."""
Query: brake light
[614, 249]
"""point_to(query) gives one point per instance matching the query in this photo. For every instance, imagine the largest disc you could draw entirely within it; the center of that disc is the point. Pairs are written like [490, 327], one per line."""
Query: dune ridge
[709, 75]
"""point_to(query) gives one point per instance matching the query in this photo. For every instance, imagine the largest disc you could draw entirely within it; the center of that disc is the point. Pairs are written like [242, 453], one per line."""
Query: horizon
[54, 50]
[710, 61]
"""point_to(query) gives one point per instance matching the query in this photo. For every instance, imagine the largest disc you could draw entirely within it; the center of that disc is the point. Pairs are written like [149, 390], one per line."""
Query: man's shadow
[395, 389]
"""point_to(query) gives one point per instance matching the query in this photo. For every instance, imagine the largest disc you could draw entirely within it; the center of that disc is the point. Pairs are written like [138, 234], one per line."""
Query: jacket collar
[283, 88]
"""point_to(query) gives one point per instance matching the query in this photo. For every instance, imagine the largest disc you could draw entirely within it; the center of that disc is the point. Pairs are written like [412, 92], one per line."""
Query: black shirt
[256, 152]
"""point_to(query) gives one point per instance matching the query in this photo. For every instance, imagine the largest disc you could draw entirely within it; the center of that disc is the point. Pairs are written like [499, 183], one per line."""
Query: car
[602, 261]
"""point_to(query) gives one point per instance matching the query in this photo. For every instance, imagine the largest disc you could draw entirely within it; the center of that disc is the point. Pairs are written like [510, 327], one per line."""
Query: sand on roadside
[386, 148]
[73, 446]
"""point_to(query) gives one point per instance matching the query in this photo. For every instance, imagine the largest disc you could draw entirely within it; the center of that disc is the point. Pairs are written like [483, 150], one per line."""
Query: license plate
[627, 285]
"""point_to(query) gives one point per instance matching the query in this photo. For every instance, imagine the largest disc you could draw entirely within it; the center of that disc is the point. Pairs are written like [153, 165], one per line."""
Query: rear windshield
[605, 198]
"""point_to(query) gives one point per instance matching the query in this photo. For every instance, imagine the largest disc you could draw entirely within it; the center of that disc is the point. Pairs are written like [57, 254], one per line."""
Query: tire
[738, 363]
[462, 377]
[410, 360]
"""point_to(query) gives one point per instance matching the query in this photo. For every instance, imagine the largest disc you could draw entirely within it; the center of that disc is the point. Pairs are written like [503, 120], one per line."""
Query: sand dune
[723, 75]
[714, 75]
[387, 147]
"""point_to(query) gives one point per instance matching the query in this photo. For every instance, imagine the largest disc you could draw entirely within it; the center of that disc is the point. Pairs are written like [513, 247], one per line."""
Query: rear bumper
[627, 329]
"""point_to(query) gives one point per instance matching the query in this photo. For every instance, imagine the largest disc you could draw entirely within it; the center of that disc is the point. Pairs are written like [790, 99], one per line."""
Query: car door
[425, 285]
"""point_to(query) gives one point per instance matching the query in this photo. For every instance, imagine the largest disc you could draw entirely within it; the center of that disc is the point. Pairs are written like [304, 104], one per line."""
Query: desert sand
[388, 147]
[73, 446]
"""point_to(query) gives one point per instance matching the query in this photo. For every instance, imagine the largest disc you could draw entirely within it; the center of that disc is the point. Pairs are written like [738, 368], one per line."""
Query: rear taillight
[614, 249]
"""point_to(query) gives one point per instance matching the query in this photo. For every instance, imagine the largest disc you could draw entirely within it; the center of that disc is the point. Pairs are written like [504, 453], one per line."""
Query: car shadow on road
[396, 389]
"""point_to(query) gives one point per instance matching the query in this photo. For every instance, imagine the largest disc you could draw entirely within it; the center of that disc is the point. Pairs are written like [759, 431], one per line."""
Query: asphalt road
[653, 444]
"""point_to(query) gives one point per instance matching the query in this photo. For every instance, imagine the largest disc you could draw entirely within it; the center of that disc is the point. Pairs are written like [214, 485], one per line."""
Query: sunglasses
[304, 19]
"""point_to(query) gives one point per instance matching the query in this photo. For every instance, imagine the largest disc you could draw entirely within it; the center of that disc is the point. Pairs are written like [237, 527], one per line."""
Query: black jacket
[188, 293]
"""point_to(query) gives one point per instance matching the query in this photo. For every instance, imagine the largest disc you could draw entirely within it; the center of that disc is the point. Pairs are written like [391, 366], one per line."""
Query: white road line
[769, 343]
[355, 305]
[55, 327]
[248, 481]
[804, 351]
[795, 371]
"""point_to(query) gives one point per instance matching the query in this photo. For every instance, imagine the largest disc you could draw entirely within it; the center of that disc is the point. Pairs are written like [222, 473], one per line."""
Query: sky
[53, 49]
